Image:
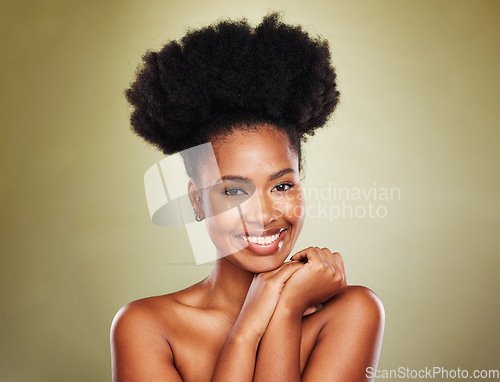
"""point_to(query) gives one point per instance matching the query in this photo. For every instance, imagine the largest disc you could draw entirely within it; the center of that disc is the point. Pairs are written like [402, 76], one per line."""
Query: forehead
[254, 154]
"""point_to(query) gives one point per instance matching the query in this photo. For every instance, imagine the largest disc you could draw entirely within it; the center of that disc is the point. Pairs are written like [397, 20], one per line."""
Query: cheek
[222, 226]
[292, 207]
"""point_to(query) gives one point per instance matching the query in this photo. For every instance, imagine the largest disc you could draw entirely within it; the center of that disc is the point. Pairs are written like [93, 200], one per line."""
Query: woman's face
[253, 204]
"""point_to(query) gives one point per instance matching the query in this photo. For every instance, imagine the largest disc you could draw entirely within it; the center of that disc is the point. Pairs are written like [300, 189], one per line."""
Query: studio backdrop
[403, 181]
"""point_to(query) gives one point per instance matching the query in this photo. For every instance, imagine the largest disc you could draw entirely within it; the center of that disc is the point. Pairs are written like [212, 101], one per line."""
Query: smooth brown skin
[250, 320]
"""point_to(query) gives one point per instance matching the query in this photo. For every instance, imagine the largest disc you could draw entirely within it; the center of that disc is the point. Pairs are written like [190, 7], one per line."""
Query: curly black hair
[231, 74]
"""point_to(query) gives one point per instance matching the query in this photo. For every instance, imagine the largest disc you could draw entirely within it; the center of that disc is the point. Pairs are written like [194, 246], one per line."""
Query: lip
[263, 249]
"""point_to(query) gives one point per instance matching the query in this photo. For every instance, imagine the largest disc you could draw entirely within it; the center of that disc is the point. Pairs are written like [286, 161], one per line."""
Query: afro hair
[230, 73]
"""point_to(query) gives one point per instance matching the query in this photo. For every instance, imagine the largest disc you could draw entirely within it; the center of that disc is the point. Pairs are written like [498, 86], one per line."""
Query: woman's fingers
[283, 273]
[331, 260]
[338, 264]
[310, 254]
[301, 255]
[340, 261]
[320, 277]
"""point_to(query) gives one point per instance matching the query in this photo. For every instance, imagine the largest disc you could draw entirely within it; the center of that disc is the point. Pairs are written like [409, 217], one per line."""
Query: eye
[234, 192]
[283, 187]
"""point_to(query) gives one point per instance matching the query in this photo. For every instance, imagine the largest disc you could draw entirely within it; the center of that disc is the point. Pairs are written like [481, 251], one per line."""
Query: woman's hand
[320, 278]
[262, 298]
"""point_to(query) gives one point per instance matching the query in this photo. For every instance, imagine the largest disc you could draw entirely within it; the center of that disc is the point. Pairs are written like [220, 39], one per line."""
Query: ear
[195, 198]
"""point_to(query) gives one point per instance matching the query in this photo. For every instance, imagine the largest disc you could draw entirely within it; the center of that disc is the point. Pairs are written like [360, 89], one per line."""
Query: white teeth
[262, 240]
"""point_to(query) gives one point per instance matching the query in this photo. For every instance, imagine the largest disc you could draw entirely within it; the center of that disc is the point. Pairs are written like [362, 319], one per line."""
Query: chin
[259, 264]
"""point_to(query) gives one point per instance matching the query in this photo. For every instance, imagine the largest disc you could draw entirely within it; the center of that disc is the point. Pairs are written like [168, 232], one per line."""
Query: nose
[260, 210]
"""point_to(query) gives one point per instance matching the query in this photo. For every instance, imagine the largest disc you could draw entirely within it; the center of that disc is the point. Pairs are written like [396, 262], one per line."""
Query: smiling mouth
[263, 243]
[262, 240]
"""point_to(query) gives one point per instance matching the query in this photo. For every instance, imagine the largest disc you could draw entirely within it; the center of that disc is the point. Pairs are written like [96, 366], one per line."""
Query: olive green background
[420, 93]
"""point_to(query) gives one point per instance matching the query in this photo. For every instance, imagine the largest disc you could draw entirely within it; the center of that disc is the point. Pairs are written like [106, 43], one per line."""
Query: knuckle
[344, 280]
[338, 256]
[334, 272]
[320, 266]
[338, 276]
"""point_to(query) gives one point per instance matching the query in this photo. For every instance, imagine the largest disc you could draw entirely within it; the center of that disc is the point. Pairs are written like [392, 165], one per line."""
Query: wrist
[244, 335]
[290, 307]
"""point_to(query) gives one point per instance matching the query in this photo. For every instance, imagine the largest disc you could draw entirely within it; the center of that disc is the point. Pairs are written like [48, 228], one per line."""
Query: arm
[351, 326]
[348, 343]
[236, 361]
[321, 277]
[279, 351]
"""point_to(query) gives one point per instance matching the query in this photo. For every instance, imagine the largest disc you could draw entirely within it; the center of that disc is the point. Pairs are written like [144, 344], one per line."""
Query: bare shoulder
[141, 315]
[349, 331]
[356, 306]
[357, 309]
[140, 327]
[151, 313]
[360, 301]
[140, 339]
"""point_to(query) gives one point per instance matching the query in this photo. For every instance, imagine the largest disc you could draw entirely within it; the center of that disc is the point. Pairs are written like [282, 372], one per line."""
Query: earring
[197, 216]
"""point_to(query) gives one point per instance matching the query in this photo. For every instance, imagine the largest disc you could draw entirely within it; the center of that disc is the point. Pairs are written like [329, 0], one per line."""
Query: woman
[254, 93]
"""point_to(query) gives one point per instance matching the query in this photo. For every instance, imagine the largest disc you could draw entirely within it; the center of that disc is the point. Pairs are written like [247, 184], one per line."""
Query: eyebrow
[270, 178]
[280, 173]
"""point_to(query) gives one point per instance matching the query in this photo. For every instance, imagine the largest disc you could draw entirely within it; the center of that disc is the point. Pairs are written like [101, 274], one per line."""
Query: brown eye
[283, 187]
[234, 192]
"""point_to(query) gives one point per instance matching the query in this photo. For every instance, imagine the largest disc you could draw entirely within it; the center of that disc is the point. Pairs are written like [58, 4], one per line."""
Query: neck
[228, 286]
